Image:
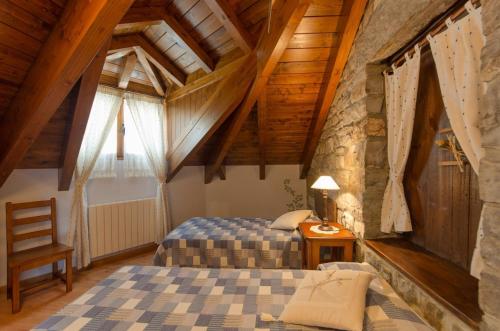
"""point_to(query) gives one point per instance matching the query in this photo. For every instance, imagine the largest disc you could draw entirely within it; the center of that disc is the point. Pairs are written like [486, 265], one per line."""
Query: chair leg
[69, 272]
[16, 298]
[9, 283]
[55, 270]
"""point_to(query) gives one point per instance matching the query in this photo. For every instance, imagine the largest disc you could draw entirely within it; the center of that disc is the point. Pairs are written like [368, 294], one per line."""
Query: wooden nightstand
[314, 241]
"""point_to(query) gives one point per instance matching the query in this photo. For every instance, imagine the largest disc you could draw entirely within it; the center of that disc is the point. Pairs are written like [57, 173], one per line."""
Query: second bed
[230, 243]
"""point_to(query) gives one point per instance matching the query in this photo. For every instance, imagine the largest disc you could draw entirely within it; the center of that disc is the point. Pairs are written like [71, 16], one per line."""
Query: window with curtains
[123, 153]
[442, 196]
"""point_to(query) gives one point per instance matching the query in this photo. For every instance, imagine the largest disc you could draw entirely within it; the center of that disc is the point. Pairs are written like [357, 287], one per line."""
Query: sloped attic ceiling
[204, 47]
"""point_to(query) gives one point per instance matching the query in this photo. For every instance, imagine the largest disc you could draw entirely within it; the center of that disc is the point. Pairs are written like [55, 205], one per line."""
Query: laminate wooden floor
[37, 307]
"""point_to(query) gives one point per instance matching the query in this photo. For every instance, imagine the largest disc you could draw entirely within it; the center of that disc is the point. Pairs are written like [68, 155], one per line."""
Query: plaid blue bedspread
[230, 243]
[159, 298]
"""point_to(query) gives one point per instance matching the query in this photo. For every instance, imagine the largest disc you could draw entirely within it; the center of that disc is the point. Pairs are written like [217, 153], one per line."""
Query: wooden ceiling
[274, 82]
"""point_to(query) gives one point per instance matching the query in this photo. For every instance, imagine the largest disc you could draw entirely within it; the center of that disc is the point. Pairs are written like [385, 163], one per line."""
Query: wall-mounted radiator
[122, 225]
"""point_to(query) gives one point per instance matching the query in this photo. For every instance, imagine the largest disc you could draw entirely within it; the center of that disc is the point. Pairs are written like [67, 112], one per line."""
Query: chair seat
[37, 256]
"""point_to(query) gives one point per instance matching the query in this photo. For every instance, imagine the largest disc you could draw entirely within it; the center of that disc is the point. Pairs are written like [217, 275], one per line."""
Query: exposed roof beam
[206, 80]
[71, 46]
[215, 111]
[127, 71]
[328, 90]
[149, 71]
[223, 11]
[112, 81]
[118, 55]
[157, 58]
[152, 15]
[262, 132]
[222, 172]
[86, 92]
[269, 50]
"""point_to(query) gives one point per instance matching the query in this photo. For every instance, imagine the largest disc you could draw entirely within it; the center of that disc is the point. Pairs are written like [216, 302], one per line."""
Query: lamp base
[326, 227]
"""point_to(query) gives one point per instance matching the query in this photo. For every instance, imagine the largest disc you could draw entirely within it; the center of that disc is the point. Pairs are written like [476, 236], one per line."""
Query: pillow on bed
[332, 299]
[290, 220]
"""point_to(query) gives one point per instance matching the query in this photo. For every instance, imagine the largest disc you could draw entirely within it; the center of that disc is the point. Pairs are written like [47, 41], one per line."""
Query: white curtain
[105, 166]
[104, 109]
[148, 115]
[456, 52]
[135, 163]
[401, 95]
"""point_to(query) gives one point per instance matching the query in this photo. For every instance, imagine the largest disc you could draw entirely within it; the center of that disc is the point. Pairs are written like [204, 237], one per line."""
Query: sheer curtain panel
[401, 94]
[148, 116]
[456, 52]
[135, 163]
[106, 105]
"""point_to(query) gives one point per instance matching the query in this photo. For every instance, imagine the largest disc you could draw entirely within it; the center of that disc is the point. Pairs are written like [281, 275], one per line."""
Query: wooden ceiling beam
[118, 54]
[152, 15]
[206, 80]
[127, 71]
[215, 111]
[328, 90]
[226, 15]
[86, 92]
[73, 43]
[157, 58]
[268, 51]
[149, 71]
[262, 133]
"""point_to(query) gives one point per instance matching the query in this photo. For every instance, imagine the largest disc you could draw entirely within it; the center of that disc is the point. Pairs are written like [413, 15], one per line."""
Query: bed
[160, 298]
[230, 243]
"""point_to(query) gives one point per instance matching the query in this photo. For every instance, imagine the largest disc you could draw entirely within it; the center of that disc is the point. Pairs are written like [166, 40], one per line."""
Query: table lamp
[325, 183]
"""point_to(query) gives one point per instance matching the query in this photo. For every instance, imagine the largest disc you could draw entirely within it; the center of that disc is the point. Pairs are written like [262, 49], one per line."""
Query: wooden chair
[31, 258]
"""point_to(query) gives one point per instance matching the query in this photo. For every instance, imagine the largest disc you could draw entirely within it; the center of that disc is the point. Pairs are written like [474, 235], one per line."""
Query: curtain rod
[455, 12]
[131, 92]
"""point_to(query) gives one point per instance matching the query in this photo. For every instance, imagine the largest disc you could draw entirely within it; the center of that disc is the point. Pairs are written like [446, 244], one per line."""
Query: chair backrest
[12, 222]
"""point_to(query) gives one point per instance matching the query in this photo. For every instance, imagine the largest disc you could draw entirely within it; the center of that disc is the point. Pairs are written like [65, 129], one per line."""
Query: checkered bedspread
[159, 298]
[230, 243]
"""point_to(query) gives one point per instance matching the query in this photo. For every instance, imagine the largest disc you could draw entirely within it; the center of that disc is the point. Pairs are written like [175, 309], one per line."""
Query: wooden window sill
[447, 283]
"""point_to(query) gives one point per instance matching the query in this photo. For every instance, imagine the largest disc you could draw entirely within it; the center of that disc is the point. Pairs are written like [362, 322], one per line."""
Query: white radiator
[122, 225]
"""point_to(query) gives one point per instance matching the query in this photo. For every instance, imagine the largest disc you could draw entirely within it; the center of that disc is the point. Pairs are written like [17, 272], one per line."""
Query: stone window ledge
[447, 283]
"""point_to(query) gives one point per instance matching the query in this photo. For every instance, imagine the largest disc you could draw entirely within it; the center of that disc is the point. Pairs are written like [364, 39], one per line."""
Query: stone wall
[489, 170]
[434, 313]
[353, 145]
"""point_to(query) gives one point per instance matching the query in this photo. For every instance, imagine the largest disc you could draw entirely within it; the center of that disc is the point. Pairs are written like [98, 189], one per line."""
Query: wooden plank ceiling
[183, 49]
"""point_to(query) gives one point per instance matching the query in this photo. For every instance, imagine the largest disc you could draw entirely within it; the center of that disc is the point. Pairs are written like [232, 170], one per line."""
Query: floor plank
[39, 306]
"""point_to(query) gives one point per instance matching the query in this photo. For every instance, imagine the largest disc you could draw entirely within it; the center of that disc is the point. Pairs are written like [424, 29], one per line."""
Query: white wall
[241, 194]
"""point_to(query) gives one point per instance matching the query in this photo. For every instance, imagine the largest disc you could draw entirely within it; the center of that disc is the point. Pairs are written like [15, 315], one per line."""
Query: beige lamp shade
[325, 183]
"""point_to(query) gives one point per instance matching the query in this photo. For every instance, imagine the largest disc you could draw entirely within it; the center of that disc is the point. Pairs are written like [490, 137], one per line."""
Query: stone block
[376, 153]
[375, 103]
[489, 291]
[375, 127]
[490, 114]
[489, 175]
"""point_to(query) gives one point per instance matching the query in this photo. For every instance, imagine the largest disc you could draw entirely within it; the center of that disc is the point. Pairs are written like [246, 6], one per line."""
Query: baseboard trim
[121, 255]
[100, 261]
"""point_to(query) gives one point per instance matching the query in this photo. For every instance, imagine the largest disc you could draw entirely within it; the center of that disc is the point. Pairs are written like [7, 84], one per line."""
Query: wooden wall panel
[444, 202]
[182, 113]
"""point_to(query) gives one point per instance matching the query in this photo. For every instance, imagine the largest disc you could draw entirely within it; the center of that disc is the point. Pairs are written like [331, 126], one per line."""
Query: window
[122, 153]
[443, 200]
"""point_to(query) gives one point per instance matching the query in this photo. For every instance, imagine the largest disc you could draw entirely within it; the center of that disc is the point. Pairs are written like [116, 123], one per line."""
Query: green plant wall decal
[297, 200]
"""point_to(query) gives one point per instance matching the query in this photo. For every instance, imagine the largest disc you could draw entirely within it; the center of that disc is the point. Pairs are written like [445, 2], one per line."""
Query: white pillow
[290, 220]
[331, 299]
